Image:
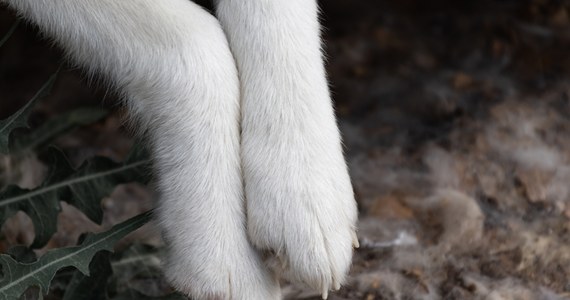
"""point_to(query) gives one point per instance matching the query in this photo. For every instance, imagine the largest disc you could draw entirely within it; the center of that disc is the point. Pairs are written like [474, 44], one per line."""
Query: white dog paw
[301, 207]
[209, 274]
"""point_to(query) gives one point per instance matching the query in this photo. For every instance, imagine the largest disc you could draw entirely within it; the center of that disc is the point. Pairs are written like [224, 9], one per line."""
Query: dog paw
[204, 272]
[300, 207]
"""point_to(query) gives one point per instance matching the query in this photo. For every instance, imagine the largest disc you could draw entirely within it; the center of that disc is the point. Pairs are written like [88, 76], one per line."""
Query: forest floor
[456, 122]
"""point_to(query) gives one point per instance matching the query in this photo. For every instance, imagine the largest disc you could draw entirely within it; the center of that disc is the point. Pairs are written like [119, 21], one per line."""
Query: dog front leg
[171, 61]
[300, 202]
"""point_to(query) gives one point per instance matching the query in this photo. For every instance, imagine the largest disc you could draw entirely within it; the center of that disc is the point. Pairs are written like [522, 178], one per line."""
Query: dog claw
[355, 242]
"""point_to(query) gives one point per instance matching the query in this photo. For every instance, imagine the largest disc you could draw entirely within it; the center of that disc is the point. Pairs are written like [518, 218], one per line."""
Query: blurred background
[456, 123]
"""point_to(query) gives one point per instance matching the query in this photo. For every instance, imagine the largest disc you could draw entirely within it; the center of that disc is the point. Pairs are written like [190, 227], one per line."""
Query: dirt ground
[456, 121]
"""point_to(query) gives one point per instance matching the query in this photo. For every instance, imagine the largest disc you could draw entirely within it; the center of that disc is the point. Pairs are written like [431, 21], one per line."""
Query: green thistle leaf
[20, 118]
[18, 277]
[83, 188]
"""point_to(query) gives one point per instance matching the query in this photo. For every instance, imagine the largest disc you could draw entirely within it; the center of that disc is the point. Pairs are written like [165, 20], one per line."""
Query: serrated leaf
[9, 33]
[20, 276]
[83, 188]
[94, 286]
[56, 127]
[20, 118]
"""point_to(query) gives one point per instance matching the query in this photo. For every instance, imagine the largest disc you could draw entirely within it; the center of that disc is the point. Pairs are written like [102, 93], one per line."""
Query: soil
[456, 122]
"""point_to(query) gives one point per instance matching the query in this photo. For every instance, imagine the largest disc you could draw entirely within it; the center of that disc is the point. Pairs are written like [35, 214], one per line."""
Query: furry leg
[300, 202]
[171, 61]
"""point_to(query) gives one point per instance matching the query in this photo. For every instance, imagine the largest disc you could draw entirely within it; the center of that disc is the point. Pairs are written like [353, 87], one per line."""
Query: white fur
[171, 61]
[300, 202]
